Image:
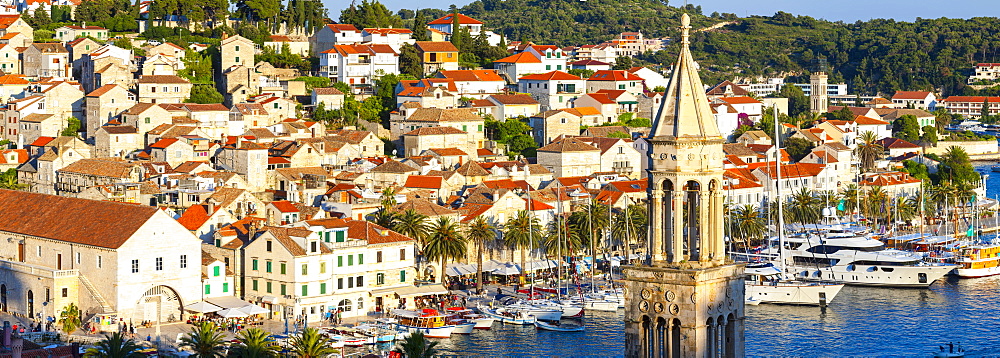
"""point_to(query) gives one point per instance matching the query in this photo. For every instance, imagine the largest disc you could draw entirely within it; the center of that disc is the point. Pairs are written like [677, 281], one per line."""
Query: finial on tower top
[685, 28]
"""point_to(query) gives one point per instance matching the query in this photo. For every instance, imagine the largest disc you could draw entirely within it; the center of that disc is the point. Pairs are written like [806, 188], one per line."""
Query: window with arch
[344, 305]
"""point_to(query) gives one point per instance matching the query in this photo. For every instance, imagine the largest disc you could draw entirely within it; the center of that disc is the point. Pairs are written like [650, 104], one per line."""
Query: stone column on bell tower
[656, 251]
[677, 226]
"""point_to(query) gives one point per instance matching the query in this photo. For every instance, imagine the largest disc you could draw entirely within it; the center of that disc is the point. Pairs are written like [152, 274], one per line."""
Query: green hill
[877, 56]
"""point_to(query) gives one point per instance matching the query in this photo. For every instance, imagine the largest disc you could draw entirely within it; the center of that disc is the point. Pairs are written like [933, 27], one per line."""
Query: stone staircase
[105, 306]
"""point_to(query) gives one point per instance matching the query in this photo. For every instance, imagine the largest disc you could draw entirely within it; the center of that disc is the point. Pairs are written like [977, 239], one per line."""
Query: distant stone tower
[687, 300]
[819, 98]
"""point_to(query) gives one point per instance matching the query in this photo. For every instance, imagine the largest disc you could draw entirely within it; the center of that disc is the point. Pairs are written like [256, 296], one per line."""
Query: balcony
[36, 270]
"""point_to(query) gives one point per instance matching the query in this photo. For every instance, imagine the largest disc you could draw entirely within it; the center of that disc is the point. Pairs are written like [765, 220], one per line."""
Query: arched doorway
[3, 298]
[159, 304]
[31, 304]
[344, 305]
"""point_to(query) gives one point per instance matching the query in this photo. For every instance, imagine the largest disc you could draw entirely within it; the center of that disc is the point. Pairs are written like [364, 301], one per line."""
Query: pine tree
[420, 27]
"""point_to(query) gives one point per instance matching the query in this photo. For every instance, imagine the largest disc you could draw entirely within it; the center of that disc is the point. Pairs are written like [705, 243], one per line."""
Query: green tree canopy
[906, 128]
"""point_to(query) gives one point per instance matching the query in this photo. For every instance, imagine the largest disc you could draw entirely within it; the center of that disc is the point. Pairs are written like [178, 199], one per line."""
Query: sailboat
[767, 283]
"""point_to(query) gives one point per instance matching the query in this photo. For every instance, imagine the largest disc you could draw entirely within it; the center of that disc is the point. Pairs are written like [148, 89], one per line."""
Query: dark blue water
[861, 321]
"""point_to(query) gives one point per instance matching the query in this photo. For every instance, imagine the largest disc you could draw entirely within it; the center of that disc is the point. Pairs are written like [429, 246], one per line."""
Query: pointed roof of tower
[685, 111]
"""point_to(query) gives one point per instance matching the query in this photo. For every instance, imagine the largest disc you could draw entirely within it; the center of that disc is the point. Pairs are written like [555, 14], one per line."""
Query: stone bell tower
[687, 299]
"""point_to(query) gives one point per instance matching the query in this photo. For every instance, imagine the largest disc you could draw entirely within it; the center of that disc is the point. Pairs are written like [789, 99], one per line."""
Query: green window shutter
[283, 267]
[322, 288]
[255, 264]
[402, 275]
[208, 289]
[267, 267]
[361, 259]
[305, 290]
[225, 287]
[218, 243]
[340, 261]
[254, 285]
[215, 271]
[327, 236]
[548, 67]
[350, 260]
[305, 269]
[268, 287]
[341, 236]
[480, 127]
[464, 129]
[283, 290]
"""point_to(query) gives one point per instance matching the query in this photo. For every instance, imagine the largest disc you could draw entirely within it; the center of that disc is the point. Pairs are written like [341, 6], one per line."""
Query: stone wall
[971, 147]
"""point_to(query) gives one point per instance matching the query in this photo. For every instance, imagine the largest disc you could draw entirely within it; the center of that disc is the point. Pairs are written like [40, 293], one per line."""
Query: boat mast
[558, 246]
[531, 245]
[777, 193]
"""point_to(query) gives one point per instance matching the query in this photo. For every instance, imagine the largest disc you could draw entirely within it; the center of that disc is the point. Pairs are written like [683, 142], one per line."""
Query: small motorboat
[950, 350]
[558, 326]
[509, 316]
[995, 168]
[481, 321]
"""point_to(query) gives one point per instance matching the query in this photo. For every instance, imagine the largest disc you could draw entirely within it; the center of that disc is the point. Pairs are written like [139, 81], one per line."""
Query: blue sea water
[861, 321]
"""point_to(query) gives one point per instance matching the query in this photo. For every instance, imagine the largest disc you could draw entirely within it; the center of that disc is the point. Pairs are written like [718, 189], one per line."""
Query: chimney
[210, 208]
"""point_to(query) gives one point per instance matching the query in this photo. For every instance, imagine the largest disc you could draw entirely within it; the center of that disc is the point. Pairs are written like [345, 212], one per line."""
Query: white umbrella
[253, 309]
[231, 313]
[491, 265]
[203, 307]
[507, 270]
[459, 270]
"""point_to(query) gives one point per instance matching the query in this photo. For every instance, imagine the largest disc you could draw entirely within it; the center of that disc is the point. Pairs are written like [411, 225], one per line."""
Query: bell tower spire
[687, 299]
[686, 169]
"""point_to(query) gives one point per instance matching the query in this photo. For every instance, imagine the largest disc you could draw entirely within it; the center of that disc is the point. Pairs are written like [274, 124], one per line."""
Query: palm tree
[480, 232]
[412, 224]
[115, 346]
[445, 242]
[571, 240]
[850, 195]
[256, 343]
[804, 207]
[594, 218]
[384, 218]
[70, 318]
[389, 197]
[629, 224]
[520, 233]
[746, 224]
[311, 344]
[869, 150]
[8, 180]
[205, 340]
[417, 346]
[873, 207]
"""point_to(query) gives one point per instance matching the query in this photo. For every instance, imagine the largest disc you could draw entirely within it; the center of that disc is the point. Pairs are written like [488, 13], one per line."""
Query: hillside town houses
[137, 202]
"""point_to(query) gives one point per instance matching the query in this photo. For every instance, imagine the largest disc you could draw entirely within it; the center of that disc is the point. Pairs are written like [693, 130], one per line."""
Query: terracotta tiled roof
[462, 20]
[284, 206]
[613, 75]
[89, 222]
[337, 28]
[523, 57]
[589, 63]
[583, 111]
[551, 76]
[423, 182]
[393, 166]
[162, 79]
[913, 95]
[896, 143]
[424, 207]
[326, 91]
[370, 49]
[472, 169]
[862, 120]
[446, 152]
[436, 46]
[103, 167]
[568, 145]
[444, 115]
[739, 100]
[472, 75]
[513, 99]
[797, 170]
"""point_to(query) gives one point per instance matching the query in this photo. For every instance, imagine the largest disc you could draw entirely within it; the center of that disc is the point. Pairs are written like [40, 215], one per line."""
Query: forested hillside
[877, 56]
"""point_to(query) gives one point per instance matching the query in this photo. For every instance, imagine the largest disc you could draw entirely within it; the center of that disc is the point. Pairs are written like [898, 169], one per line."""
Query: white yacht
[845, 257]
[765, 283]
